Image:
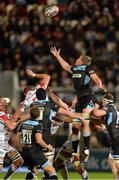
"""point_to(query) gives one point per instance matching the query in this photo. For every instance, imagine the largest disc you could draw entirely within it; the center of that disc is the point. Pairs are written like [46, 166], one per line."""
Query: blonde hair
[85, 59]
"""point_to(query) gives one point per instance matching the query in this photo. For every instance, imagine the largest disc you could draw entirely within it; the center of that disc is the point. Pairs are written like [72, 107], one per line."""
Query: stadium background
[26, 36]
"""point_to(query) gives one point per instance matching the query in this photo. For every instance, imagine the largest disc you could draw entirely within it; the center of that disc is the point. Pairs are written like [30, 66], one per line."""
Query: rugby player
[29, 92]
[111, 117]
[82, 77]
[45, 106]
[69, 153]
[6, 126]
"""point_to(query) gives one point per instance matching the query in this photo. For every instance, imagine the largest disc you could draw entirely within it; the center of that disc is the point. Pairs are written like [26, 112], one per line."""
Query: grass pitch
[72, 175]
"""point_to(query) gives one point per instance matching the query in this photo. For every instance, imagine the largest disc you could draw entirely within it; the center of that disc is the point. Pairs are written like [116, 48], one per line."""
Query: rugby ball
[52, 10]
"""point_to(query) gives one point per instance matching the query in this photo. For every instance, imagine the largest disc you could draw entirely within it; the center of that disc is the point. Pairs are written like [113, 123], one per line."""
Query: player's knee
[17, 160]
[52, 169]
[86, 123]
[20, 162]
[76, 164]
[49, 169]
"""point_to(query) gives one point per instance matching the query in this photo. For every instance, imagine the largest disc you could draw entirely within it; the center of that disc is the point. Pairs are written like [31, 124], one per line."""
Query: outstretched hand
[54, 51]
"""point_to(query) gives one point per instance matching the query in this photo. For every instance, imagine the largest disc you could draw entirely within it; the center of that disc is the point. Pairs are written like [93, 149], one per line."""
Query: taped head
[107, 98]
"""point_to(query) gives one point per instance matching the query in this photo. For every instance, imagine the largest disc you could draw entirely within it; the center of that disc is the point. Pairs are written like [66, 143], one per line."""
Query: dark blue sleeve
[54, 106]
[90, 70]
[38, 129]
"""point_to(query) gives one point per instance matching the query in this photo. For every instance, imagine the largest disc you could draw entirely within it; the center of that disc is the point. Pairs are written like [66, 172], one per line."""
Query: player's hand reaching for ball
[55, 52]
[49, 147]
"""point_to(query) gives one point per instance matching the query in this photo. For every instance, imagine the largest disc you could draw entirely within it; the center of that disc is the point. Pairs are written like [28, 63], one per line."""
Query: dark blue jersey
[112, 116]
[112, 122]
[46, 107]
[26, 130]
[81, 79]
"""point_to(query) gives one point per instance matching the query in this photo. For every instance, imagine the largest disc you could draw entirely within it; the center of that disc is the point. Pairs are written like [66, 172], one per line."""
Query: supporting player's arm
[97, 81]
[98, 112]
[57, 100]
[62, 62]
[70, 114]
[45, 78]
[41, 142]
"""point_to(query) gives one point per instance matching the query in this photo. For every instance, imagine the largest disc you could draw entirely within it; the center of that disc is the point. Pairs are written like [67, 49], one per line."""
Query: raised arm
[63, 63]
[44, 78]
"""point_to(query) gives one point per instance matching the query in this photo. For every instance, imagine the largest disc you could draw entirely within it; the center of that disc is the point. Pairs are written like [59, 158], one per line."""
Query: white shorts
[3, 152]
[50, 155]
[114, 158]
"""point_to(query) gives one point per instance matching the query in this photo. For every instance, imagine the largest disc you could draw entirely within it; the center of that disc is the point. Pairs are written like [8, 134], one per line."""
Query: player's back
[112, 116]
[112, 122]
[46, 107]
[26, 131]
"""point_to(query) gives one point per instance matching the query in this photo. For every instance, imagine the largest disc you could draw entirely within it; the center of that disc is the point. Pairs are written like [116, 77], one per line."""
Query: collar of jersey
[81, 65]
[42, 101]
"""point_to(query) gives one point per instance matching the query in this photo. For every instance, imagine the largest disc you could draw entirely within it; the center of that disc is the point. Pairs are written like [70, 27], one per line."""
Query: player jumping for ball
[82, 77]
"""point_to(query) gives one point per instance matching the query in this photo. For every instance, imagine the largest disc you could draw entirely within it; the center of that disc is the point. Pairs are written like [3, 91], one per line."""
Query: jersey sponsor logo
[87, 80]
[81, 68]
[76, 76]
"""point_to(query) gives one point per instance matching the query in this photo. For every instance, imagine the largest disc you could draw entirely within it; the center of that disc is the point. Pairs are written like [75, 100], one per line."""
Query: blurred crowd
[26, 36]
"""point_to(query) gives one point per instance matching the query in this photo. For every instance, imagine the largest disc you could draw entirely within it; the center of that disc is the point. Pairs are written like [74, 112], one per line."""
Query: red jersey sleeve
[3, 117]
[41, 85]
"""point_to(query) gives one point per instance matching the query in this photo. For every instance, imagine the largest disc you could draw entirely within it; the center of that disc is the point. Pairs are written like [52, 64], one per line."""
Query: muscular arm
[62, 62]
[97, 81]
[70, 114]
[57, 100]
[98, 112]
[40, 141]
[45, 78]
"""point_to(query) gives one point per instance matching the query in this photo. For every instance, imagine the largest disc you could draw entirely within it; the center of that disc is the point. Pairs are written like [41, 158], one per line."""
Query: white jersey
[30, 97]
[4, 133]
